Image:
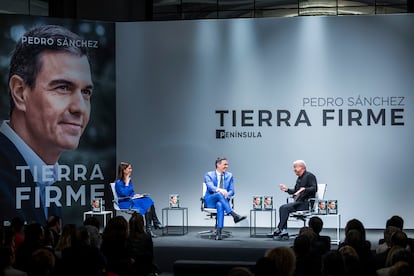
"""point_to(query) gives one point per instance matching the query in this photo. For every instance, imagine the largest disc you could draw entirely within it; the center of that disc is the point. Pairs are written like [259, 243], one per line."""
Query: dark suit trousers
[288, 208]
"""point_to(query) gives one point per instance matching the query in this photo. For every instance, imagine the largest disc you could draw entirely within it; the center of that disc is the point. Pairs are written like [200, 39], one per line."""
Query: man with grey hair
[305, 188]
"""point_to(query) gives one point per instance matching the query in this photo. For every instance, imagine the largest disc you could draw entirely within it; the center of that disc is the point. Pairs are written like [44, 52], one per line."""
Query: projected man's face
[54, 113]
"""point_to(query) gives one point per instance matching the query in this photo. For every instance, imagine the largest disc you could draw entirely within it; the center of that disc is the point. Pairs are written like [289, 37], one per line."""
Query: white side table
[104, 214]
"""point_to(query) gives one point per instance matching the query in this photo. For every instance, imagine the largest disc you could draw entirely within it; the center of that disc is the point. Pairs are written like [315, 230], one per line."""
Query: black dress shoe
[277, 232]
[282, 237]
[238, 218]
[158, 225]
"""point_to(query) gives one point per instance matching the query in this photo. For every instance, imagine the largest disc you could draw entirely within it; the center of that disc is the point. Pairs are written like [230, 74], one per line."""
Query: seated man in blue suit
[220, 188]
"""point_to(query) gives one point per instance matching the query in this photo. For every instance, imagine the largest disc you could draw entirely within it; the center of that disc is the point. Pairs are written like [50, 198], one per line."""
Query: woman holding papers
[128, 199]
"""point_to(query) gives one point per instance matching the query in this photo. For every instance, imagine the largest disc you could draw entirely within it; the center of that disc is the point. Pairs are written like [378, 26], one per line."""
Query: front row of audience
[311, 254]
[124, 248]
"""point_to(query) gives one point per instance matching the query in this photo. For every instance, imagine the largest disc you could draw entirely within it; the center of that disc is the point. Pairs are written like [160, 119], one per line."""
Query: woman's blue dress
[125, 201]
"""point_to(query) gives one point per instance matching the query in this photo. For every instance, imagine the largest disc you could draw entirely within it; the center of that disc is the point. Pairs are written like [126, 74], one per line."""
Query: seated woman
[128, 199]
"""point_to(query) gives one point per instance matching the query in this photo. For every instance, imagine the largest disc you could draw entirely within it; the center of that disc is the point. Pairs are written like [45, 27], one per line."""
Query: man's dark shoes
[157, 224]
[281, 237]
[277, 232]
[218, 235]
[238, 218]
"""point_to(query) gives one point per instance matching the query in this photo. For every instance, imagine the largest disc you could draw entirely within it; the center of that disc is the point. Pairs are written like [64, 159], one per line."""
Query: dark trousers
[288, 208]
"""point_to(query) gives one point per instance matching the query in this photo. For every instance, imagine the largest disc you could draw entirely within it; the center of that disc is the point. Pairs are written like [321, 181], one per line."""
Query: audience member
[94, 236]
[7, 262]
[264, 266]
[307, 262]
[399, 241]
[398, 222]
[315, 248]
[383, 248]
[395, 221]
[54, 224]
[323, 243]
[17, 225]
[42, 263]
[396, 254]
[92, 220]
[49, 240]
[140, 247]
[355, 236]
[351, 260]
[114, 247]
[284, 260]
[66, 238]
[399, 238]
[401, 269]
[333, 264]
[86, 256]
[33, 240]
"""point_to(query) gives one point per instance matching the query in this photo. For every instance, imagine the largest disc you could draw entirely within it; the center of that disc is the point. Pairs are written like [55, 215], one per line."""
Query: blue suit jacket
[210, 178]
[10, 157]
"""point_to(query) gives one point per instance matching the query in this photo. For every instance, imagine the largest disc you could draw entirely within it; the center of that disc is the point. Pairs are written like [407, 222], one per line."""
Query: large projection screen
[336, 92]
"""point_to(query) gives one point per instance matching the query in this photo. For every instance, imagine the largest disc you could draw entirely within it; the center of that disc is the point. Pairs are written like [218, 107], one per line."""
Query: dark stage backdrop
[88, 169]
[334, 91]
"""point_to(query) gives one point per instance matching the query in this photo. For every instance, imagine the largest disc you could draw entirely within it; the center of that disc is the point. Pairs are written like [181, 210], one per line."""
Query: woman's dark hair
[396, 221]
[355, 224]
[121, 167]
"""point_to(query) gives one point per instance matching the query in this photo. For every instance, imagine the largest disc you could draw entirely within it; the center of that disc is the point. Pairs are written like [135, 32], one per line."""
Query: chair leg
[212, 233]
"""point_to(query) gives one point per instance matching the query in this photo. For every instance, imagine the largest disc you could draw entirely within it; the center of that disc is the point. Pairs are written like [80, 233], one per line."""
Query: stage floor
[239, 247]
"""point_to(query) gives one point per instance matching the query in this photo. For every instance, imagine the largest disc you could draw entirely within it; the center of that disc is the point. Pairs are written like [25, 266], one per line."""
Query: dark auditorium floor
[240, 247]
